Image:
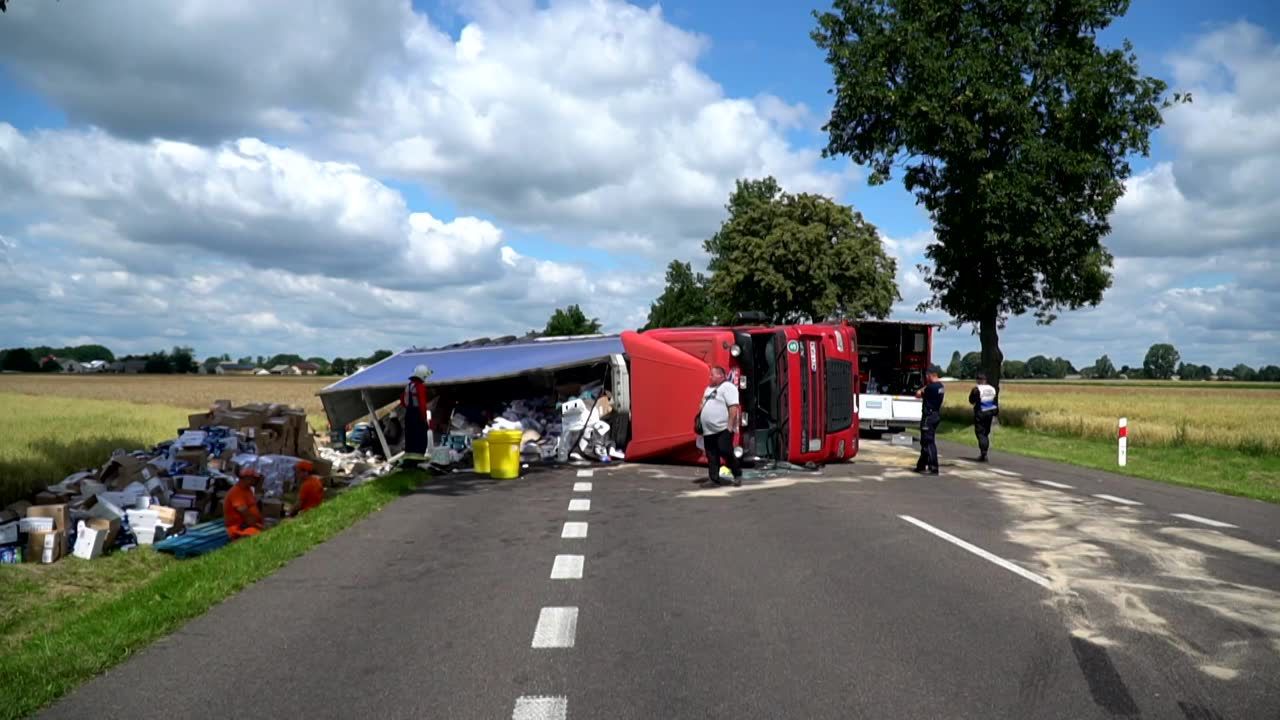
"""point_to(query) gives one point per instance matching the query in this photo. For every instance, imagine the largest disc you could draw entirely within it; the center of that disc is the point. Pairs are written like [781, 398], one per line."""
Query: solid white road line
[1114, 499]
[574, 530]
[1006, 473]
[586, 473]
[567, 567]
[579, 505]
[540, 708]
[1203, 520]
[582, 487]
[1007, 565]
[556, 627]
[1052, 484]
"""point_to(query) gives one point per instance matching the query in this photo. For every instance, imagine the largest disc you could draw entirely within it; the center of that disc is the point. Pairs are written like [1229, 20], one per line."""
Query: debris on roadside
[142, 497]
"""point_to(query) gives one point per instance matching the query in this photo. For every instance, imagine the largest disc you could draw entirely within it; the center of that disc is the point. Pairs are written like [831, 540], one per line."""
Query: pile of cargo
[142, 497]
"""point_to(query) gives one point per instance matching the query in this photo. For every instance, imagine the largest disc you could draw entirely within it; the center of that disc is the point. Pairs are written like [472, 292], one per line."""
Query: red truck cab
[795, 384]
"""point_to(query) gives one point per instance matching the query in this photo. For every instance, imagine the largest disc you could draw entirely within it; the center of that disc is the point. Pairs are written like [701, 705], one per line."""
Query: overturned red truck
[797, 385]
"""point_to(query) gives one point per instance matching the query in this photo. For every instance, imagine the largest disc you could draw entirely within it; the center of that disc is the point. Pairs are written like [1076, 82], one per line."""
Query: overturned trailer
[796, 381]
[655, 388]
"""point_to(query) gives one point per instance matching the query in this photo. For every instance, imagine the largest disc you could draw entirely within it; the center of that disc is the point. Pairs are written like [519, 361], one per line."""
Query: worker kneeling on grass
[310, 489]
[240, 509]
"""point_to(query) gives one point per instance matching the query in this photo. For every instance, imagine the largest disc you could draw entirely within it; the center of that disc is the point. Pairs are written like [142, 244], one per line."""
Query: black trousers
[982, 428]
[415, 433]
[719, 446]
[929, 442]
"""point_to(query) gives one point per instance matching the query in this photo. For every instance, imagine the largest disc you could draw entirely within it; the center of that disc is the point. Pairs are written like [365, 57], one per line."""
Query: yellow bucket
[504, 454]
[480, 455]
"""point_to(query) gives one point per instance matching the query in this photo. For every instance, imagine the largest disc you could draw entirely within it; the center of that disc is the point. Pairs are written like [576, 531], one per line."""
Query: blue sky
[394, 179]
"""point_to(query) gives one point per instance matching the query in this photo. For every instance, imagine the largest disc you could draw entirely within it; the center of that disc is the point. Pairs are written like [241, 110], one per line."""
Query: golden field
[1234, 417]
[193, 392]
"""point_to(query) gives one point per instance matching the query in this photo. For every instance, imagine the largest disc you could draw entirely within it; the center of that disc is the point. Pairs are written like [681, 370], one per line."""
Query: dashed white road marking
[574, 530]
[537, 707]
[557, 627]
[1007, 565]
[1052, 484]
[582, 487]
[1203, 520]
[586, 473]
[567, 567]
[1114, 499]
[579, 505]
[1006, 473]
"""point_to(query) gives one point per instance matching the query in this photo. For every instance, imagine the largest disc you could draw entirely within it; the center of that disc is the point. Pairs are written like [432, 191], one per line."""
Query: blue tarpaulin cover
[384, 381]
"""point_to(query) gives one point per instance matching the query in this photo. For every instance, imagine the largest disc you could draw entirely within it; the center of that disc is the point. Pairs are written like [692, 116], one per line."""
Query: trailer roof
[384, 380]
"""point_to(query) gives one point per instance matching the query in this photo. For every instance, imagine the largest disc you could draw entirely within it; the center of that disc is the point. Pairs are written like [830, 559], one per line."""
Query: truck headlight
[735, 351]
[737, 452]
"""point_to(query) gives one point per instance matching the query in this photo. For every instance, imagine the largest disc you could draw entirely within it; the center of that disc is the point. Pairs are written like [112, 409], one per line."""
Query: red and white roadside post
[1124, 441]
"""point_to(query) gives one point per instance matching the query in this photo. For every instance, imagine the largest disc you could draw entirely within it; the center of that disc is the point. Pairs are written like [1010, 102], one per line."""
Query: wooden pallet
[196, 541]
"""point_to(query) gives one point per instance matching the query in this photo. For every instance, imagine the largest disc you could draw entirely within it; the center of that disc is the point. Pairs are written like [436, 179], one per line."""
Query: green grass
[1208, 468]
[52, 638]
[43, 438]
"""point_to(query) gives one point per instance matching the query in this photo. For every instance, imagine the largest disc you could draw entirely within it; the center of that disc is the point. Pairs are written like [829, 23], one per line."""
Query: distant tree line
[1162, 362]
[178, 360]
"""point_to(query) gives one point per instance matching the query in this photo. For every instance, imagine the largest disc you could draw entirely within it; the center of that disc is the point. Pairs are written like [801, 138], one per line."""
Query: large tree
[1104, 369]
[570, 321]
[1160, 362]
[953, 367]
[798, 257]
[20, 360]
[685, 302]
[1014, 128]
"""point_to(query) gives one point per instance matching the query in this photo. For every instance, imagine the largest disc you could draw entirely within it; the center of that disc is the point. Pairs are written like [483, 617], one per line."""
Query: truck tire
[896, 430]
[872, 434]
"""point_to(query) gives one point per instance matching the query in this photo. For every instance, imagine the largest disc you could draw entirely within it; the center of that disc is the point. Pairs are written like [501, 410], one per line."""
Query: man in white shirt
[720, 415]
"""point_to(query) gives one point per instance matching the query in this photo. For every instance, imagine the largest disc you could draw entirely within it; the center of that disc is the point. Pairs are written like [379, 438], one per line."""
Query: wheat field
[1234, 418]
[192, 392]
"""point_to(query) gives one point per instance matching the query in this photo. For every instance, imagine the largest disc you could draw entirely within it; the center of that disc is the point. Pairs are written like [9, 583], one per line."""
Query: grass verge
[1222, 470]
[51, 642]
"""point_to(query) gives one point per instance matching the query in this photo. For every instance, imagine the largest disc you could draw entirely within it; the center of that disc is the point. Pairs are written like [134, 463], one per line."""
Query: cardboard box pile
[139, 498]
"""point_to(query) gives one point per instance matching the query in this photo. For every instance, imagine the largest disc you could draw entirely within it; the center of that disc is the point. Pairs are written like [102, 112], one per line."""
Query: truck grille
[839, 395]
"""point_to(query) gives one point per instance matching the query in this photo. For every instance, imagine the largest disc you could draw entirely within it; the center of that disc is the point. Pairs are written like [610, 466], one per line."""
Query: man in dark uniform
[930, 416]
[983, 399]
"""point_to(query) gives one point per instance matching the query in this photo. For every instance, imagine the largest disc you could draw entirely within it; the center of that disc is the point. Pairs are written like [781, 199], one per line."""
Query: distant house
[95, 366]
[306, 368]
[130, 367]
[230, 368]
[68, 365]
[262, 372]
[285, 370]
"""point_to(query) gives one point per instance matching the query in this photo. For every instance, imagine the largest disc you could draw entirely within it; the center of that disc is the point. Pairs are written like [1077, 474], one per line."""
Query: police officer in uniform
[930, 417]
[983, 399]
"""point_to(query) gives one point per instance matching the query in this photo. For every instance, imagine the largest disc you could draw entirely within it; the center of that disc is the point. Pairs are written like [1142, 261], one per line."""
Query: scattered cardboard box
[90, 543]
[273, 508]
[60, 514]
[36, 524]
[9, 532]
[46, 547]
[110, 528]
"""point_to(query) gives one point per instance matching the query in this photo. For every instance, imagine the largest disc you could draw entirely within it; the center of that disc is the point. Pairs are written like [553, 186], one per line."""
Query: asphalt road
[864, 591]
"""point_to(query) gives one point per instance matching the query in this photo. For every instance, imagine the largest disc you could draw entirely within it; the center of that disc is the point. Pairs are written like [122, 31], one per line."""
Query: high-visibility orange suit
[311, 494]
[240, 509]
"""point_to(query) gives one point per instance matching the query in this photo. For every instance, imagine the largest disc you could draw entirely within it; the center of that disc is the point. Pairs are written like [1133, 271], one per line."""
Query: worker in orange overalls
[240, 510]
[311, 489]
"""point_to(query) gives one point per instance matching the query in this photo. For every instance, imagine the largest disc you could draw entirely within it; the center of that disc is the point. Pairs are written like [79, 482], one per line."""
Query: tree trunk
[989, 335]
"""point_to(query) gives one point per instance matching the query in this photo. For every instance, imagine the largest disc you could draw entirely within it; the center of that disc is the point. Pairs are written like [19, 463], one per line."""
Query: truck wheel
[896, 430]
[872, 434]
